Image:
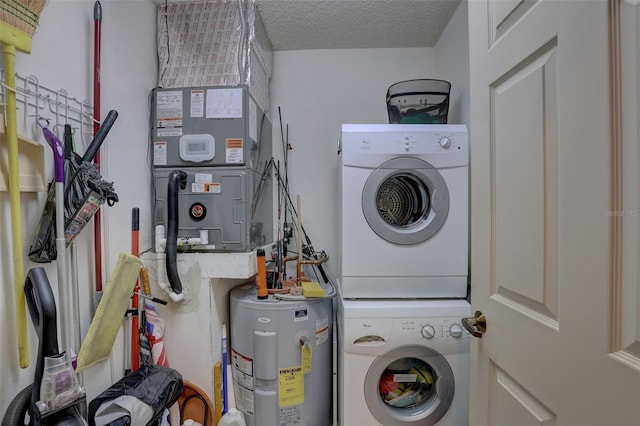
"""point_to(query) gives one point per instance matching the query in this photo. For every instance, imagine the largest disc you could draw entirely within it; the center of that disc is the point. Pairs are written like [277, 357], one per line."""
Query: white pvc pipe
[64, 295]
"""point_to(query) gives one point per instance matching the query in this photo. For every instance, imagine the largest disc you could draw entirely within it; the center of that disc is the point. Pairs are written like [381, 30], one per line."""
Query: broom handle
[9, 54]
[97, 218]
[135, 250]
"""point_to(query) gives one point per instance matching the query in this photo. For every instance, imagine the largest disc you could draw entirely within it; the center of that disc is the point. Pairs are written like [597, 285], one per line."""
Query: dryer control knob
[445, 142]
[428, 332]
[455, 330]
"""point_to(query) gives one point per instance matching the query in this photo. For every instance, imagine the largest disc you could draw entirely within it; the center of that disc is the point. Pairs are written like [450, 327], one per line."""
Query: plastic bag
[139, 398]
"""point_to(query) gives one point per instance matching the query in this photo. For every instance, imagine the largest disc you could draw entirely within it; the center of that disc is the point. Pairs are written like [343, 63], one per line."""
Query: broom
[18, 22]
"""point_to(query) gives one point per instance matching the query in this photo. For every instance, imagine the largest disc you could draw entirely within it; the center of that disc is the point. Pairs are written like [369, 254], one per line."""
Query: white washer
[404, 210]
[403, 362]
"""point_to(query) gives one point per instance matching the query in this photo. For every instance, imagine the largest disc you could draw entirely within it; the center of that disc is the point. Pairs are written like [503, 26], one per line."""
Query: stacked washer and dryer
[403, 353]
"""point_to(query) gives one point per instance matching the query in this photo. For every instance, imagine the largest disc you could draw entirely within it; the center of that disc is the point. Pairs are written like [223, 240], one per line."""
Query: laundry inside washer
[407, 382]
[403, 362]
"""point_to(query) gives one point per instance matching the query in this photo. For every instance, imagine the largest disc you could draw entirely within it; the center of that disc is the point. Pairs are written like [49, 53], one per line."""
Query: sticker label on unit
[253, 120]
[160, 153]
[202, 184]
[213, 188]
[203, 177]
[224, 103]
[197, 103]
[242, 366]
[290, 386]
[242, 376]
[169, 113]
[306, 354]
[322, 330]
[164, 133]
[291, 416]
[300, 315]
[243, 399]
[234, 153]
[405, 378]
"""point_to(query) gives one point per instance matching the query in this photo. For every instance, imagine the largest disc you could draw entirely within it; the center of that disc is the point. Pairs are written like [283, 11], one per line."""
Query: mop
[113, 305]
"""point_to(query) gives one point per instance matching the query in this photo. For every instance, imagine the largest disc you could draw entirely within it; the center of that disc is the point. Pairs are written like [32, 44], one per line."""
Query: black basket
[422, 101]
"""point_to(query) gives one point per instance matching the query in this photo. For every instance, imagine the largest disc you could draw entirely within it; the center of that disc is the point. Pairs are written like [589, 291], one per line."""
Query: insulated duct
[177, 181]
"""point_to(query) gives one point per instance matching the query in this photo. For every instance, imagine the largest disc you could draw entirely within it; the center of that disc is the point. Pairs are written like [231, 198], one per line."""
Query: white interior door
[554, 212]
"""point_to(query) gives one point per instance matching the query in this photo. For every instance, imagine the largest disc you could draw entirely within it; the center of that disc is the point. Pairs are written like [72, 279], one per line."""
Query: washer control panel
[430, 329]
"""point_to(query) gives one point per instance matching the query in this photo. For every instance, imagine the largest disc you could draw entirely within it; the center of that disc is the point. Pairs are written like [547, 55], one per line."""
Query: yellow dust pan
[113, 305]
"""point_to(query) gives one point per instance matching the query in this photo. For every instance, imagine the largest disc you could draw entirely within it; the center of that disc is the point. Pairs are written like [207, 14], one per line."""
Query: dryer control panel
[440, 145]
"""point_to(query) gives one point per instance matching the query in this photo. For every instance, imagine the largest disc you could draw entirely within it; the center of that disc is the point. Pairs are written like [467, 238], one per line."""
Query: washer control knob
[428, 332]
[445, 142]
[456, 330]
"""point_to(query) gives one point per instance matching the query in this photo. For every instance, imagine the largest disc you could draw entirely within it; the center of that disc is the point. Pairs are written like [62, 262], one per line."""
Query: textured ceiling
[344, 24]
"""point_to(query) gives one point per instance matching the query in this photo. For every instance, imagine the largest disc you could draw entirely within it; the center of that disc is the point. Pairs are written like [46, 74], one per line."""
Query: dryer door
[405, 201]
[409, 385]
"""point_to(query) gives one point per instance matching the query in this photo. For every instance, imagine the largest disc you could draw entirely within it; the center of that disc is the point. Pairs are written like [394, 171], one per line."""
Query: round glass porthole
[409, 385]
[405, 201]
[402, 200]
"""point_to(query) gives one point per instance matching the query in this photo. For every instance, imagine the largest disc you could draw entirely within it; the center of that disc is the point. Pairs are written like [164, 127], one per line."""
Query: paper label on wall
[160, 153]
[322, 330]
[234, 151]
[224, 103]
[290, 386]
[197, 103]
[169, 113]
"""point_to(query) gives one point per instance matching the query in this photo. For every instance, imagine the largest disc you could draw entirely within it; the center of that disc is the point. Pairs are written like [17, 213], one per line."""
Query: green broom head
[22, 14]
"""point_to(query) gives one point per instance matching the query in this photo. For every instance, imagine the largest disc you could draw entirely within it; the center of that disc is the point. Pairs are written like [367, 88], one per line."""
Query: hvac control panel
[206, 126]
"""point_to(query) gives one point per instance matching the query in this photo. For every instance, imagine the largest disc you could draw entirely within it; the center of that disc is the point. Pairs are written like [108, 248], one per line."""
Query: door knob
[476, 325]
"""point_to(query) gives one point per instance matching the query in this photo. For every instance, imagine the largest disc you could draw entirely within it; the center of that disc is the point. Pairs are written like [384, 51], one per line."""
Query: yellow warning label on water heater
[306, 358]
[290, 386]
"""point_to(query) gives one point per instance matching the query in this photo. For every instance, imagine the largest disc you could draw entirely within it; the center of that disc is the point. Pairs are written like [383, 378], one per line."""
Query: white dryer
[404, 210]
[403, 363]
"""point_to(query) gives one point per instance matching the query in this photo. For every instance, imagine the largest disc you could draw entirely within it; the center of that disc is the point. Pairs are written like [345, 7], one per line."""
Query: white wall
[317, 91]
[62, 58]
[452, 59]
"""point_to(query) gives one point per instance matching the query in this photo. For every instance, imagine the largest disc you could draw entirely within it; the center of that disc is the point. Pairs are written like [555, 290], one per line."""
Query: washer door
[405, 201]
[409, 385]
